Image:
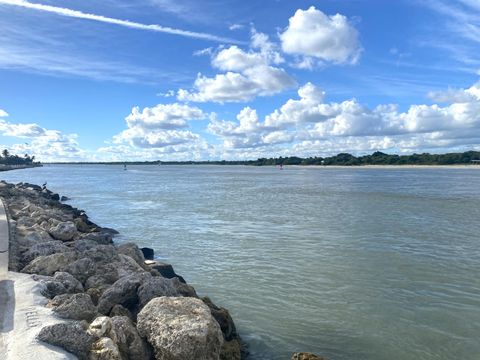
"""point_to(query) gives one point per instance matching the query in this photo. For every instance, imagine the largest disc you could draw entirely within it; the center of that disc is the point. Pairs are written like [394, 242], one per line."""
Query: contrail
[126, 23]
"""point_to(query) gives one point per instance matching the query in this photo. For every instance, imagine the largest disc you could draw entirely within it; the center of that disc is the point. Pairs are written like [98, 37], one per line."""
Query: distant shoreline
[456, 166]
[17, 167]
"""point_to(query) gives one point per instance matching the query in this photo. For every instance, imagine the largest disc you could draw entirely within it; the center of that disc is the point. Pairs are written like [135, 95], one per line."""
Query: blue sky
[226, 79]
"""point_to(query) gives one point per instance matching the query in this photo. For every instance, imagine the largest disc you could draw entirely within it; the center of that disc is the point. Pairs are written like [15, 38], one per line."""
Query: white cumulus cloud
[246, 74]
[313, 35]
[161, 126]
[309, 125]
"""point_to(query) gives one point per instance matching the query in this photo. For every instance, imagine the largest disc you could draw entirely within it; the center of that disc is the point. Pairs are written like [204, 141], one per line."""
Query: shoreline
[18, 167]
[113, 299]
[396, 167]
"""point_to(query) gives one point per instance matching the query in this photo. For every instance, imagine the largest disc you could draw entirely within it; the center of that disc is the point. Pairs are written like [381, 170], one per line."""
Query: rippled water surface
[348, 263]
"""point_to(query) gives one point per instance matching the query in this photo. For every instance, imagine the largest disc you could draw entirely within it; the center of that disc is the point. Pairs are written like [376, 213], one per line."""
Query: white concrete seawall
[4, 241]
[22, 310]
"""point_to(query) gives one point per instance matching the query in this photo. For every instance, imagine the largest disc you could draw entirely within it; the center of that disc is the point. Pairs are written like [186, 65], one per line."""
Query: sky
[118, 80]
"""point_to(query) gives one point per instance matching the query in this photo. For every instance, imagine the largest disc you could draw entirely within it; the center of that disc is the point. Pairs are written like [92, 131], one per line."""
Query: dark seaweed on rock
[102, 288]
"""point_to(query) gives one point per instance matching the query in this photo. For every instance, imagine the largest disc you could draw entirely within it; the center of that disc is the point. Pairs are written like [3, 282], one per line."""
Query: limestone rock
[44, 249]
[101, 327]
[180, 328]
[73, 306]
[85, 244]
[48, 265]
[123, 292]
[223, 318]
[81, 225]
[64, 231]
[35, 236]
[119, 310]
[61, 283]
[129, 342]
[104, 349]
[81, 269]
[99, 237]
[132, 250]
[167, 271]
[231, 350]
[159, 286]
[306, 356]
[71, 336]
[126, 265]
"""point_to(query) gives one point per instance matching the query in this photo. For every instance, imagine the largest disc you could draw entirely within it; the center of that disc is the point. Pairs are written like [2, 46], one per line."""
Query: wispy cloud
[125, 23]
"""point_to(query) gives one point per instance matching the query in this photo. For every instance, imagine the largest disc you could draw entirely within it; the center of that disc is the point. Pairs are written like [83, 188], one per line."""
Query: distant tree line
[342, 159]
[8, 159]
[377, 158]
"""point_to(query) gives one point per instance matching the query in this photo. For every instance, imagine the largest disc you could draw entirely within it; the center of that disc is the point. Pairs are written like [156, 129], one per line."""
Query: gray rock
[64, 231]
[61, 283]
[81, 225]
[34, 235]
[101, 282]
[129, 342]
[306, 356]
[231, 350]
[126, 265]
[101, 327]
[123, 292]
[73, 306]
[49, 265]
[132, 250]
[99, 237]
[119, 310]
[85, 244]
[167, 271]
[71, 336]
[180, 328]
[224, 320]
[81, 269]
[159, 286]
[44, 249]
[105, 349]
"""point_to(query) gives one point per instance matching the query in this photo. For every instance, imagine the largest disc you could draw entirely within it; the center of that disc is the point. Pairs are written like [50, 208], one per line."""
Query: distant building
[475, 162]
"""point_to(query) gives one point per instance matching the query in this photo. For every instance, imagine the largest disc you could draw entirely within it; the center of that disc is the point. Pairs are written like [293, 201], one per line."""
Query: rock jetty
[116, 304]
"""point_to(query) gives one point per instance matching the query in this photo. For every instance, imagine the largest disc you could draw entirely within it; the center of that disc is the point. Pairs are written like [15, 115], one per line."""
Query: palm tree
[5, 153]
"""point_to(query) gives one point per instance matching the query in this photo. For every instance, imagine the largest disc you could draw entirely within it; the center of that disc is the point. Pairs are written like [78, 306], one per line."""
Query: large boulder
[180, 328]
[159, 286]
[100, 238]
[231, 350]
[60, 283]
[64, 231]
[44, 249]
[73, 306]
[81, 225]
[306, 356]
[49, 265]
[122, 292]
[126, 265]
[132, 250]
[71, 336]
[33, 236]
[102, 327]
[104, 349]
[81, 269]
[167, 271]
[129, 342]
[223, 318]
